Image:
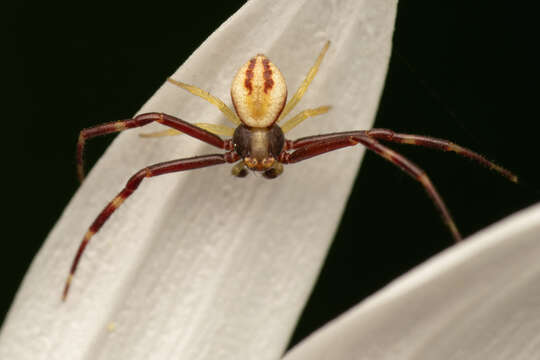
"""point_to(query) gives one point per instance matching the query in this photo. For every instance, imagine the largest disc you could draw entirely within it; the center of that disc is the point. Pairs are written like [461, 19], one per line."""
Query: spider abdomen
[259, 92]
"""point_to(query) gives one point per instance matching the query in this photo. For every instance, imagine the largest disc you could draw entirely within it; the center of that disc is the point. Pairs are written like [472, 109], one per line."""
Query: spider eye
[251, 163]
[259, 92]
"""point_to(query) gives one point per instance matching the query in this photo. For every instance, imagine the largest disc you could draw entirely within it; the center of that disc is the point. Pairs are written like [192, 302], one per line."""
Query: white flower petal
[200, 264]
[478, 300]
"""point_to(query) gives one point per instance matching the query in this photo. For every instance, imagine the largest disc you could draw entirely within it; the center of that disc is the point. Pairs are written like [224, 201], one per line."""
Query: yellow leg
[302, 89]
[211, 99]
[292, 122]
[213, 128]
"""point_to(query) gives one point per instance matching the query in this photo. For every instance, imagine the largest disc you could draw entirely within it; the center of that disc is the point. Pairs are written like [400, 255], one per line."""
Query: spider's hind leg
[229, 114]
[303, 115]
[305, 84]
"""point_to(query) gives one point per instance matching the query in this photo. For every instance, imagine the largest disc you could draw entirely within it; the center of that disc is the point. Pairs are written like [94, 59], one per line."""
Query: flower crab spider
[259, 95]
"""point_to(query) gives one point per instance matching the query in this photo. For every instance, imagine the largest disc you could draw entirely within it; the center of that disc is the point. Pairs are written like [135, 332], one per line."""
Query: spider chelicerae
[259, 96]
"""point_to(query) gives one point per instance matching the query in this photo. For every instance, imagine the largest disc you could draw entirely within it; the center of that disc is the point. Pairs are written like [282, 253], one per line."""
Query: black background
[465, 71]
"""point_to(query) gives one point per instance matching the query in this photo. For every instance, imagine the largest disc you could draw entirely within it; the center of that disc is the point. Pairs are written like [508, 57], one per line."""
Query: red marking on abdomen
[249, 75]
[267, 74]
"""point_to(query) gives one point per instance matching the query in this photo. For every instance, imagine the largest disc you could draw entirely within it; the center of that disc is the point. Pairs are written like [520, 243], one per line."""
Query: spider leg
[411, 139]
[439, 144]
[330, 142]
[132, 185]
[141, 120]
[231, 115]
[305, 84]
[215, 129]
[303, 115]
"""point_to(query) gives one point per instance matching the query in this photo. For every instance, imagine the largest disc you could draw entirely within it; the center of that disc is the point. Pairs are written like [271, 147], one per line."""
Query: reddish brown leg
[332, 142]
[133, 184]
[141, 120]
[439, 144]
[430, 142]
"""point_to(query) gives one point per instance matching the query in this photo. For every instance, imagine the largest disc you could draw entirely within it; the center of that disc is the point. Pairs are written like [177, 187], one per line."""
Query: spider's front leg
[317, 145]
[132, 185]
[439, 144]
[141, 120]
[308, 147]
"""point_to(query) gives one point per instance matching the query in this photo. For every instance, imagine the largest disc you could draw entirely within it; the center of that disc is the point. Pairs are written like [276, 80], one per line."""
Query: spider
[259, 95]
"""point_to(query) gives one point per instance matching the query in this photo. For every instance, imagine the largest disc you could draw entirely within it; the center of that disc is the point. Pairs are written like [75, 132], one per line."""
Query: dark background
[465, 72]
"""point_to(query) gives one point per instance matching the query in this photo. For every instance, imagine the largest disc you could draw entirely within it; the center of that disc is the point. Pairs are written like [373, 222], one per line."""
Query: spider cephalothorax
[258, 143]
[260, 148]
